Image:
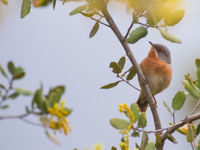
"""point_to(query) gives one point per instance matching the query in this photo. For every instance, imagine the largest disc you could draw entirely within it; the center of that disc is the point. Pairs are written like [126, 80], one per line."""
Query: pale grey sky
[54, 48]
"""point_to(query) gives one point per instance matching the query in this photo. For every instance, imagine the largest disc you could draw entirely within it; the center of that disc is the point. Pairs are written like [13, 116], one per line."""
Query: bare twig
[195, 108]
[16, 117]
[192, 146]
[31, 123]
[129, 29]
[7, 91]
[193, 137]
[173, 116]
[128, 83]
[141, 77]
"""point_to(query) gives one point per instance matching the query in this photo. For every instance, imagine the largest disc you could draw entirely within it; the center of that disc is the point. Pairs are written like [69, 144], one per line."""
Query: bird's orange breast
[157, 73]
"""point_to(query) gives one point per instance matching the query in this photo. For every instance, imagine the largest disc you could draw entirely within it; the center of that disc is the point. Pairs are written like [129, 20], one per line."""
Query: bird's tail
[142, 103]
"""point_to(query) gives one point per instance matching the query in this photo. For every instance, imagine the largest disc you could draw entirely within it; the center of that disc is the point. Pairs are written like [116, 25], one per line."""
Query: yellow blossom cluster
[185, 128]
[124, 108]
[58, 119]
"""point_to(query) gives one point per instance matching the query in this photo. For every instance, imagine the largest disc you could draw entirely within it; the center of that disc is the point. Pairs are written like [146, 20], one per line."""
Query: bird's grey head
[162, 52]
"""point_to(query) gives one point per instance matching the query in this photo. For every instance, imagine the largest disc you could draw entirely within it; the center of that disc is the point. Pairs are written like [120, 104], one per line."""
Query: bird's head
[162, 52]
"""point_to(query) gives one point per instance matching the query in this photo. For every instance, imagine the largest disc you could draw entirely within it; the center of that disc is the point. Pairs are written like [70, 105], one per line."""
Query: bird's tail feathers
[142, 103]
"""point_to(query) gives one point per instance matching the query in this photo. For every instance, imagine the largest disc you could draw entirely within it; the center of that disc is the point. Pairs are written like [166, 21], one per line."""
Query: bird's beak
[151, 43]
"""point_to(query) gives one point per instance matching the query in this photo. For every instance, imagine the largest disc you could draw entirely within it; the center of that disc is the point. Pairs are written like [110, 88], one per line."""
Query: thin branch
[193, 137]
[31, 123]
[173, 116]
[129, 29]
[99, 21]
[192, 146]
[128, 83]
[14, 117]
[195, 108]
[173, 128]
[142, 79]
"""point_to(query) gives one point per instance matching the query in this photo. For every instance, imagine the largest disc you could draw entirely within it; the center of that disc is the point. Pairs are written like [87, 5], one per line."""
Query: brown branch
[100, 22]
[15, 117]
[173, 128]
[141, 77]
[128, 83]
[129, 29]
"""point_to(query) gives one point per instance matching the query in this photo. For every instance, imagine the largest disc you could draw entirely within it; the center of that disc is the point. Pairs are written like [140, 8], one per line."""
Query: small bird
[156, 68]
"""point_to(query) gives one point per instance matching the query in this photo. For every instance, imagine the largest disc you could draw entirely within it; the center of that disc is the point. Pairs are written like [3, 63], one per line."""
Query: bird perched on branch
[157, 70]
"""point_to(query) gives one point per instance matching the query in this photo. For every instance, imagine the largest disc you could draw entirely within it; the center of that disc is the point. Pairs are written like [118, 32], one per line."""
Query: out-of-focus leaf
[198, 146]
[113, 148]
[198, 129]
[142, 122]
[69, 110]
[197, 62]
[37, 98]
[135, 134]
[5, 2]
[144, 141]
[122, 62]
[167, 107]
[131, 74]
[135, 110]
[134, 16]
[172, 139]
[110, 85]
[78, 10]
[191, 134]
[4, 106]
[45, 105]
[45, 121]
[38, 3]
[14, 95]
[19, 76]
[23, 91]
[158, 140]
[52, 138]
[150, 146]
[119, 123]
[137, 34]
[116, 67]
[198, 77]
[55, 94]
[178, 100]
[174, 18]
[94, 30]
[26, 6]
[88, 14]
[2, 86]
[169, 37]
[11, 67]
[27, 109]
[191, 88]
[3, 72]
[54, 4]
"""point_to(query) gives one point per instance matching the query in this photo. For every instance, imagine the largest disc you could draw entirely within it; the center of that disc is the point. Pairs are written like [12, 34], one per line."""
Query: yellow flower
[98, 146]
[58, 113]
[185, 128]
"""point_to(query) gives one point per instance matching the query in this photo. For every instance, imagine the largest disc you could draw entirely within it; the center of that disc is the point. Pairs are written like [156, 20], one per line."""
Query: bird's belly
[158, 75]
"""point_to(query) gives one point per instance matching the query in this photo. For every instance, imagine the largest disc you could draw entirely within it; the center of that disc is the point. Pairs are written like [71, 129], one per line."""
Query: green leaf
[178, 100]
[142, 122]
[78, 10]
[198, 77]
[119, 123]
[135, 110]
[52, 138]
[131, 74]
[18, 70]
[94, 30]
[113, 148]
[55, 94]
[150, 146]
[174, 18]
[45, 105]
[122, 62]
[13, 95]
[54, 4]
[198, 129]
[45, 121]
[144, 141]
[134, 16]
[23, 91]
[169, 37]
[167, 107]
[178, 130]
[4, 106]
[27, 109]
[19, 76]
[26, 6]
[88, 14]
[11, 67]
[116, 67]
[191, 88]
[171, 138]
[158, 140]
[197, 62]
[198, 146]
[37, 98]
[3, 72]
[137, 34]
[190, 133]
[110, 85]
[5, 2]
[135, 134]
[2, 86]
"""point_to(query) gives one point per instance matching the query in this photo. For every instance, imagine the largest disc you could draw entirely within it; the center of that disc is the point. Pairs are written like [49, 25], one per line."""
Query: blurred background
[54, 48]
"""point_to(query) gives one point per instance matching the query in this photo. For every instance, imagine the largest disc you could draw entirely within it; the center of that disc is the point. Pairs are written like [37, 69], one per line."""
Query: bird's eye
[160, 50]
